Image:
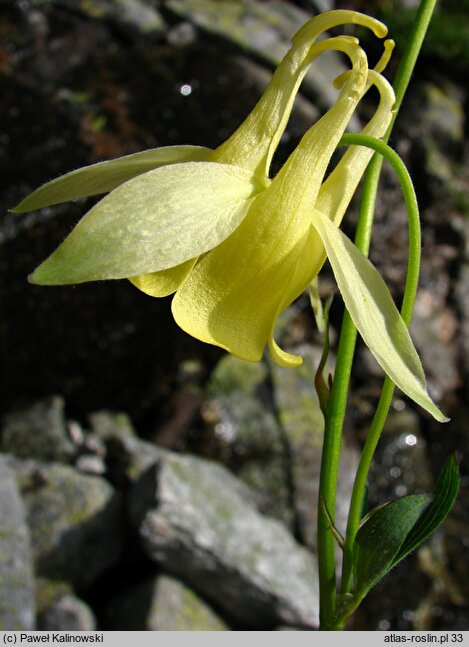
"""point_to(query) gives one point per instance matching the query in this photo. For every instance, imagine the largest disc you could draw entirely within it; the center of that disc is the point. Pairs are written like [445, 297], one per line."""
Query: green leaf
[391, 531]
[446, 491]
[105, 176]
[380, 538]
[153, 222]
[374, 314]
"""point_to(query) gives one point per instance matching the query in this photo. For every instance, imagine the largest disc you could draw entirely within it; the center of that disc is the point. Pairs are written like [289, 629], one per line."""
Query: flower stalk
[346, 350]
[236, 247]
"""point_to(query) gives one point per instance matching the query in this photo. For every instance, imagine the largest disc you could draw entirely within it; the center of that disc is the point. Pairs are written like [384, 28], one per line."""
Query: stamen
[384, 60]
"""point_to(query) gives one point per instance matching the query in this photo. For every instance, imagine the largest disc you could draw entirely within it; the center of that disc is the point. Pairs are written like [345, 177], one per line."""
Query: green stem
[367, 207]
[346, 350]
[334, 421]
[413, 269]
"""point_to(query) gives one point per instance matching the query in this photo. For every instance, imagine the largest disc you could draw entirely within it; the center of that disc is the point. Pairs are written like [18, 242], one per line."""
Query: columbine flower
[235, 247]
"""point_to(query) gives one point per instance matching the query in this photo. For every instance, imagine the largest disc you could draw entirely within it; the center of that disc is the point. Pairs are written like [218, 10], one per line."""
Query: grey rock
[39, 432]
[462, 295]
[321, 5]
[245, 435]
[232, 375]
[90, 464]
[129, 458]
[69, 613]
[182, 35]
[178, 608]
[59, 609]
[162, 603]
[108, 424]
[75, 521]
[138, 14]
[193, 521]
[434, 328]
[409, 4]
[264, 30]
[303, 424]
[17, 607]
[438, 136]
[304, 112]
[402, 464]
[128, 15]
[442, 111]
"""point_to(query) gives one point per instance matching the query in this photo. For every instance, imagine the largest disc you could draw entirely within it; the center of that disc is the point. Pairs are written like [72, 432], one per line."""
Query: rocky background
[151, 482]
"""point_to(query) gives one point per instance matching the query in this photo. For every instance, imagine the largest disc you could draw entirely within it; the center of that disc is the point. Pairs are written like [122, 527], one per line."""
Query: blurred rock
[130, 457]
[17, 607]
[60, 610]
[241, 431]
[108, 424]
[434, 328]
[90, 464]
[438, 135]
[303, 424]
[162, 603]
[402, 465]
[75, 521]
[39, 432]
[264, 30]
[129, 16]
[462, 295]
[193, 521]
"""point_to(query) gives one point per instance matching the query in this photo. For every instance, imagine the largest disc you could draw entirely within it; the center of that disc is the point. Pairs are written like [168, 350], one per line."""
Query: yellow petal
[106, 176]
[257, 138]
[375, 315]
[299, 181]
[337, 191]
[303, 274]
[153, 222]
[165, 282]
[234, 294]
[281, 357]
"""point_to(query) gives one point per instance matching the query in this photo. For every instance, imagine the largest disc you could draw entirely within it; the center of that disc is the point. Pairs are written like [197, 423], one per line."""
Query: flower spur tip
[381, 65]
[281, 357]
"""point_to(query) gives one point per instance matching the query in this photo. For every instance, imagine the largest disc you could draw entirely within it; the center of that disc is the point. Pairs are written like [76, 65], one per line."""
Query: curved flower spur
[235, 247]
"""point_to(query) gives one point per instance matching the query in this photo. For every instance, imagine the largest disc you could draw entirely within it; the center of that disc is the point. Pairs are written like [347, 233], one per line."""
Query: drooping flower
[234, 246]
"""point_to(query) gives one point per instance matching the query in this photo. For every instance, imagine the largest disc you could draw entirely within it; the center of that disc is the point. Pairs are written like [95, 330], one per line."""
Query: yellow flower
[234, 246]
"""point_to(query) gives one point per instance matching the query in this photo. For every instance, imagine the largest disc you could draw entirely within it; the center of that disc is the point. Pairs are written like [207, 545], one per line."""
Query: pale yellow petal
[337, 190]
[234, 294]
[105, 176]
[165, 282]
[153, 222]
[257, 138]
[299, 181]
[281, 357]
[375, 315]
